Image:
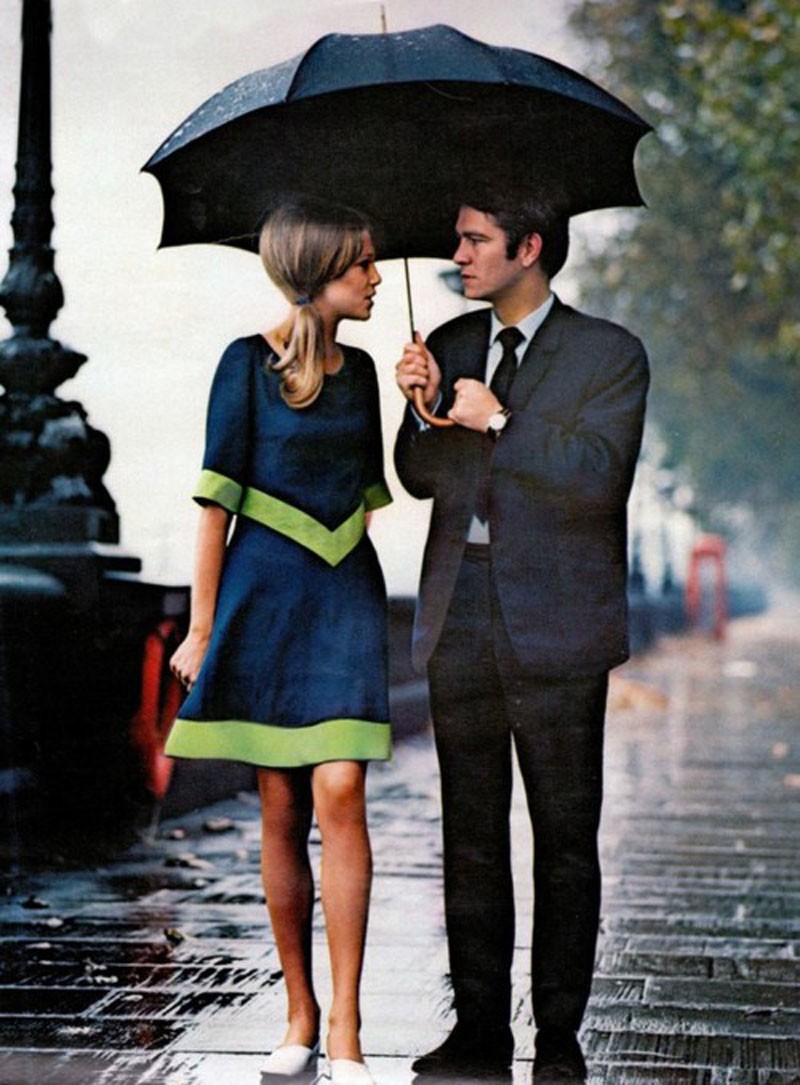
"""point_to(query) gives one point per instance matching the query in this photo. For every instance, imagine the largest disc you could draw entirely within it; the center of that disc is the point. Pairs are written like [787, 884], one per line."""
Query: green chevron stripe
[330, 545]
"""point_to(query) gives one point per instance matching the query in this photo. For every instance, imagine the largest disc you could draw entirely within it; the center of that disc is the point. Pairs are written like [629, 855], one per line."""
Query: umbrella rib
[302, 59]
[452, 97]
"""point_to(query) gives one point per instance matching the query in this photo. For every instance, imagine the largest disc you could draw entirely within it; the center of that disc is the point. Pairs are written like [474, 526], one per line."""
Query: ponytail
[305, 244]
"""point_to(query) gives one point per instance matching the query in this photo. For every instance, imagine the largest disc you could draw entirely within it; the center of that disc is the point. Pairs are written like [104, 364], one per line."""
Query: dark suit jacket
[560, 475]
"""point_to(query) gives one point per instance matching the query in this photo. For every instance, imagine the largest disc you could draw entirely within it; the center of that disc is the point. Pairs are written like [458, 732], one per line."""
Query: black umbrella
[394, 124]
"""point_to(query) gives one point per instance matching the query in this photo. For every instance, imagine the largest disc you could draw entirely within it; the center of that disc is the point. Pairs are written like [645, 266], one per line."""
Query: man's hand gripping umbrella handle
[425, 414]
[418, 394]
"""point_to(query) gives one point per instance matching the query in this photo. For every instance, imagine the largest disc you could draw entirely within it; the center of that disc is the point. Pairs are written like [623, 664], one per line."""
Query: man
[521, 614]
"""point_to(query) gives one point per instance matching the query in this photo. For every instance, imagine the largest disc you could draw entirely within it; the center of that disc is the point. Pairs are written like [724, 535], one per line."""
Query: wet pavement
[157, 967]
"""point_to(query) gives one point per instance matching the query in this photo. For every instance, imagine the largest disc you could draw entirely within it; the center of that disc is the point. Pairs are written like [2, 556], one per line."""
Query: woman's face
[350, 297]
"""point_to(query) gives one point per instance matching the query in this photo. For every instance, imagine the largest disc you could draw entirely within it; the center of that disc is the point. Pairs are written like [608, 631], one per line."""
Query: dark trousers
[482, 701]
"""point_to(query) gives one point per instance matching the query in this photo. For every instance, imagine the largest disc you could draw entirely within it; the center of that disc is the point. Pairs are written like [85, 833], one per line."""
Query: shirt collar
[529, 324]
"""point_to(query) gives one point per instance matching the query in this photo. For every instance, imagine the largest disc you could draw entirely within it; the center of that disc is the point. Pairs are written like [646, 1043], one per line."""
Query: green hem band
[330, 545]
[280, 747]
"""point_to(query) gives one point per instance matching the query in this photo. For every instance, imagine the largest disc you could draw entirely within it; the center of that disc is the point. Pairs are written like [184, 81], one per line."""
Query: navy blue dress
[296, 669]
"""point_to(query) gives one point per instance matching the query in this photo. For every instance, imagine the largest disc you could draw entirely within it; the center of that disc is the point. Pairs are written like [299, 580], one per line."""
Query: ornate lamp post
[51, 460]
[83, 639]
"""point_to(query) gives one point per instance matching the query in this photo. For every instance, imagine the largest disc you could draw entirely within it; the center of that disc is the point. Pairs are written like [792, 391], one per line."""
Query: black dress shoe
[468, 1052]
[559, 1059]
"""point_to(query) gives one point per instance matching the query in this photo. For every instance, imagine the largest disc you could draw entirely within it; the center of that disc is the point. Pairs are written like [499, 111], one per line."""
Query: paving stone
[54, 1032]
[16, 1001]
[754, 996]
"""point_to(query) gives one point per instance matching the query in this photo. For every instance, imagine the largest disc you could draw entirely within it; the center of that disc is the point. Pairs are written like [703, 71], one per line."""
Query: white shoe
[350, 1072]
[291, 1060]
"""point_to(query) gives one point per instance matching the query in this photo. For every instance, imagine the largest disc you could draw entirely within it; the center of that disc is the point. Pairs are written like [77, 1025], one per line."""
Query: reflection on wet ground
[157, 967]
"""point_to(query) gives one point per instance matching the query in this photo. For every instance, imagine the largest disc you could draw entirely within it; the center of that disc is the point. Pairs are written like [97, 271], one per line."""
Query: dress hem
[271, 746]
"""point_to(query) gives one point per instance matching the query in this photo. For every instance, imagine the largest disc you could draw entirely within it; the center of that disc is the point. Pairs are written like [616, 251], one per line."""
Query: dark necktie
[509, 339]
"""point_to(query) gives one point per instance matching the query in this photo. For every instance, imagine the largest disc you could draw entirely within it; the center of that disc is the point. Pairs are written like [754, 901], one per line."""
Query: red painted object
[708, 548]
[160, 700]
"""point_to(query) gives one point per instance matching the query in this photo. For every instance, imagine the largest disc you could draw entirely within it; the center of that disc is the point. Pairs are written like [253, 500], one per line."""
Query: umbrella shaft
[408, 296]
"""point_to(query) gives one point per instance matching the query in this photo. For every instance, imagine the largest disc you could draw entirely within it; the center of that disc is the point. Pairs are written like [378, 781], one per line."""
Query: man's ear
[530, 249]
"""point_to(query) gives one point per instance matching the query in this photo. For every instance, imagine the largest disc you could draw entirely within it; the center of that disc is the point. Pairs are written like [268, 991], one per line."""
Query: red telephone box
[709, 549]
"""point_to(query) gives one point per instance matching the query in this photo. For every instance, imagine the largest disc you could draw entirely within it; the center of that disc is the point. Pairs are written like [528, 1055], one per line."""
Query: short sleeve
[376, 492]
[223, 477]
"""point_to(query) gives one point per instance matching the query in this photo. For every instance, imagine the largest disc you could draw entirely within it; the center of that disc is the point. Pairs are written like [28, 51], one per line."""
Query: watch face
[497, 422]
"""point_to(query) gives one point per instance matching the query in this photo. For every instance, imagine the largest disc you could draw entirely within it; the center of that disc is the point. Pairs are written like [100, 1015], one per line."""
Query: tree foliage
[743, 70]
[710, 271]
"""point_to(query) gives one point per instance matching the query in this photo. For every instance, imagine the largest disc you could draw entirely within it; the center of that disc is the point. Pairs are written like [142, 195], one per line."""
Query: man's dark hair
[520, 213]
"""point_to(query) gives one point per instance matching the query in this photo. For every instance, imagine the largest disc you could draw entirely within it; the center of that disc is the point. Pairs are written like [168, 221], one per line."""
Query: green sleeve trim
[331, 546]
[218, 488]
[281, 747]
[376, 496]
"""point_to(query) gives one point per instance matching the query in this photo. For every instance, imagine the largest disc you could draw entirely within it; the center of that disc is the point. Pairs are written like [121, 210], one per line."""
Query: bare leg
[286, 810]
[339, 800]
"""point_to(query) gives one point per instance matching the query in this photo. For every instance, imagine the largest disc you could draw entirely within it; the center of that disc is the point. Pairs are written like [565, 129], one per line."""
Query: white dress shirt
[528, 326]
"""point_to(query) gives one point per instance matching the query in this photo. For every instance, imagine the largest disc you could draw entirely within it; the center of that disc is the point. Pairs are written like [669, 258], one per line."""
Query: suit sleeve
[585, 457]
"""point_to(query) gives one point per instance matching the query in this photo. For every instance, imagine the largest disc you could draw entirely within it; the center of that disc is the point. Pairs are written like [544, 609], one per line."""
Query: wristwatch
[498, 422]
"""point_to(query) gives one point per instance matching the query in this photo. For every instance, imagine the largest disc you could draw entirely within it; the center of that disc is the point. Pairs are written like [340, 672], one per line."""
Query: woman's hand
[418, 369]
[212, 532]
[188, 657]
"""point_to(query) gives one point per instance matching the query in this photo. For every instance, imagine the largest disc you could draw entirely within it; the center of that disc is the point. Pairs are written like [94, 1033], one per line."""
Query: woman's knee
[339, 793]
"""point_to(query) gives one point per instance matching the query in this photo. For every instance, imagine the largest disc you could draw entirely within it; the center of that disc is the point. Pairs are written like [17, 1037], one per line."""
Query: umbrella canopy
[397, 125]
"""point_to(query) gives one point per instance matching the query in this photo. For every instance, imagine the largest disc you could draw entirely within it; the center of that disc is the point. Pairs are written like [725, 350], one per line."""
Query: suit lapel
[474, 359]
[538, 358]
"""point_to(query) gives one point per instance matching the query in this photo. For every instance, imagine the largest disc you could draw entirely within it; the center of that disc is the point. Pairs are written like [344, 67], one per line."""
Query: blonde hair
[305, 243]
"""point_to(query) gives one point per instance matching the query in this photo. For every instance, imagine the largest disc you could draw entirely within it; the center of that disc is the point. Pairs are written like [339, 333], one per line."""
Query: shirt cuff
[421, 423]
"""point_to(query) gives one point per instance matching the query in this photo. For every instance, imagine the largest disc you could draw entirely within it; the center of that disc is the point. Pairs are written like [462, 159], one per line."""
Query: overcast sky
[125, 73]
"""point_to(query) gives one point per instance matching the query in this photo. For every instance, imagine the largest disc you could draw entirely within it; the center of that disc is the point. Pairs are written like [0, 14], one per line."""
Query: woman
[286, 656]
